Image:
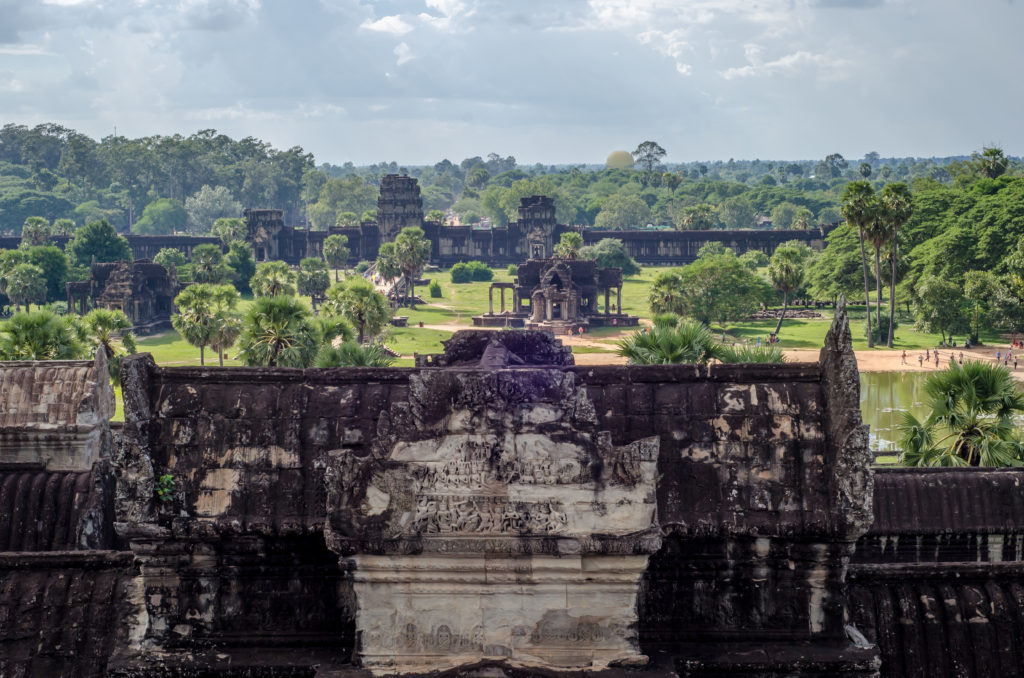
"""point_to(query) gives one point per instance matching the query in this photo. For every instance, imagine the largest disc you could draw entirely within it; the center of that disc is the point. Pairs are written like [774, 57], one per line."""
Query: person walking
[903, 358]
[936, 360]
[920, 360]
[961, 357]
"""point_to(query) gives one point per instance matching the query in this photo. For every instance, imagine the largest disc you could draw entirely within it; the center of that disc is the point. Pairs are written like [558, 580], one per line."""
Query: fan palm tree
[858, 209]
[351, 354]
[194, 319]
[569, 245]
[279, 332]
[878, 231]
[786, 270]
[971, 419]
[664, 296]
[358, 301]
[689, 341]
[747, 353]
[101, 325]
[898, 207]
[272, 279]
[336, 252]
[40, 335]
[208, 265]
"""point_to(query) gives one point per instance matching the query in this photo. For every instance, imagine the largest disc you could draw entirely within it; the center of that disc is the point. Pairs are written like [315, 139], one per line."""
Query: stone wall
[778, 556]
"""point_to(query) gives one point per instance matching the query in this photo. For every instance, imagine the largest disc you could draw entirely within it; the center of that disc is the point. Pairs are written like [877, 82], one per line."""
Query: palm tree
[24, 284]
[569, 245]
[101, 325]
[412, 251]
[899, 207]
[878, 232]
[971, 419]
[858, 209]
[786, 270]
[208, 265]
[279, 332]
[226, 324]
[351, 354]
[229, 230]
[194, 319]
[358, 301]
[336, 252]
[40, 335]
[689, 341]
[272, 279]
[747, 353]
[35, 231]
[664, 296]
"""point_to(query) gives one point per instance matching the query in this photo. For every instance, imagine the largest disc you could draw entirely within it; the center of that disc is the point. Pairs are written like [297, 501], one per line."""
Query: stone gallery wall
[719, 520]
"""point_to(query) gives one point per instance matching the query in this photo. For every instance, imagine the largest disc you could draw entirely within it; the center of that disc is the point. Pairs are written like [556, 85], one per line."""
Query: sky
[550, 81]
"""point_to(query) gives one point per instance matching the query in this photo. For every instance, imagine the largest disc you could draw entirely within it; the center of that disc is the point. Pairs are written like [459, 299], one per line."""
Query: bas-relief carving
[503, 525]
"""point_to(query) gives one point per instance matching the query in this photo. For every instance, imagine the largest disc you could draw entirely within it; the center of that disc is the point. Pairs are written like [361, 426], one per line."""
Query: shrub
[480, 271]
[435, 289]
[513, 270]
[362, 266]
[460, 273]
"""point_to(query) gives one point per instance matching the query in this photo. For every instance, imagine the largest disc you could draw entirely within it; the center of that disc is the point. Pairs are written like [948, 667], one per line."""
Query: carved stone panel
[495, 521]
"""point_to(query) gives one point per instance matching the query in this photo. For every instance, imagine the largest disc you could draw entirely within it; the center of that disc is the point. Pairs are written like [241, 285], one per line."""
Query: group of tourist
[929, 355]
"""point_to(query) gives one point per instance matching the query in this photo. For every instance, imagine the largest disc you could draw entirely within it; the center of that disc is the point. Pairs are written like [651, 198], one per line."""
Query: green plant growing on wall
[165, 487]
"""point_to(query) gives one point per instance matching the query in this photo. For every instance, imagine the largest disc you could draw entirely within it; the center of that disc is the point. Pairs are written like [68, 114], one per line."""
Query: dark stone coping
[33, 560]
[741, 373]
[872, 573]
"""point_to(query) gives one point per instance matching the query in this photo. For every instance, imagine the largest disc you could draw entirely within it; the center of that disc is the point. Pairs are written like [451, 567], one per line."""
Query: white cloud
[404, 53]
[395, 25]
[24, 50]
[786, 65]
[450, 10]
[9, 83]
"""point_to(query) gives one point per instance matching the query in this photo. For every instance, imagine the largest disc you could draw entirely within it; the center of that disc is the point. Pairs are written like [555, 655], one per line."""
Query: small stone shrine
[559, 294]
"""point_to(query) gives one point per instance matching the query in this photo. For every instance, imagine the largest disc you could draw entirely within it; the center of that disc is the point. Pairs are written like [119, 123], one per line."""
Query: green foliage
[357, 300]
[569, 245]
[362, 266]
[25, 284]
[313, 278]
[279, 331]
[54, 264]
[611, 253]
[161, 217]
[208, 206]
[750, 353]
[696, 218]
[736, 212]
[623, 212]
[243, 268]
[938, 305]
[971, 419]
[164, 487]
[513, 270]
[40, 335]
[754, 259]
[35, 231]
[716, 288]
[879, 331]
[229, 229]
[208, 265]
[98, 240]
[351, 354]
[336, 252]
[471, 271]
[170, 257]
[435, 289]
[687, 341]
[273, 278]
[102, 325]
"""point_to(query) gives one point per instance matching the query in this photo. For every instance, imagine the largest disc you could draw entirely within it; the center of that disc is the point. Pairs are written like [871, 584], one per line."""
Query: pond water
[883, 395]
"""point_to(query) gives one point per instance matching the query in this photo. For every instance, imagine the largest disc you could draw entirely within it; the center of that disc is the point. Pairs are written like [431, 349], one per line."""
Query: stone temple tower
[399, 205]
[537, 225]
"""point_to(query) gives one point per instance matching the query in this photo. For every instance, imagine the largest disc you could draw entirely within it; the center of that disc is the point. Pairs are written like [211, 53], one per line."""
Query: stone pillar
[490, 300]
[607, 300]
[502, 299]
[547, 309]
[618, 298]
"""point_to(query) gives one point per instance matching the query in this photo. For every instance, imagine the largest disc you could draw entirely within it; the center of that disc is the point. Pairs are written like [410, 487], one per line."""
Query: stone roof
[54, 412]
